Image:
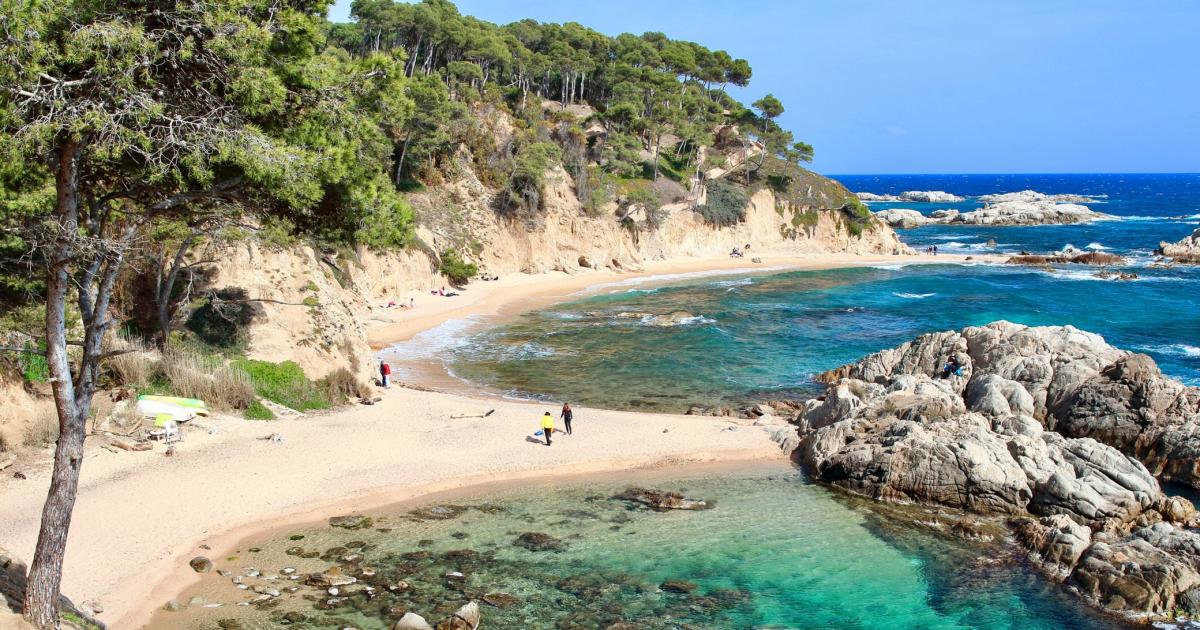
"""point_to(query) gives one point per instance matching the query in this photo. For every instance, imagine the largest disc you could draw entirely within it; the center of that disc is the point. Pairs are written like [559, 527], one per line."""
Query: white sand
[141, 516]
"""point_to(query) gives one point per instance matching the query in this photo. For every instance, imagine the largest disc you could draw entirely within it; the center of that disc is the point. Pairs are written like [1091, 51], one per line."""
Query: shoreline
[229, 482]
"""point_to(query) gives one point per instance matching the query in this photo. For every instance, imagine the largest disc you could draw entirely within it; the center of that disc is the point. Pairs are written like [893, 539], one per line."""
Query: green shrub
[456, 269]
[33, 364]
[858, 216]
[258, 411]
[284, 383]
[726, 204]
[523, 195]
[388, 227]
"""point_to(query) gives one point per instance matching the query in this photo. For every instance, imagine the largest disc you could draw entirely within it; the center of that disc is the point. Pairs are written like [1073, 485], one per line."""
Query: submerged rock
[679, 586]
[501, 600]
[662, 501]
[351, 522]
[536, 541]
[1050, 425]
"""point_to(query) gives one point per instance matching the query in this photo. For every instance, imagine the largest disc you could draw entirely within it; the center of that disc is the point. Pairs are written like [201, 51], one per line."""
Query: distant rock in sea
[1186, 250]
[1003, 213]
[919, 196]
[1032, 196]
[1048, 426]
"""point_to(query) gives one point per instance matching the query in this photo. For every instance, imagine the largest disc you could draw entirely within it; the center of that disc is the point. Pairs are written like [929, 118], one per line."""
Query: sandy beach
[141, 516]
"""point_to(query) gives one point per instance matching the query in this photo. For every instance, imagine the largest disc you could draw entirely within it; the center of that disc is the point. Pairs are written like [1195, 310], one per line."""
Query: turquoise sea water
[761, 337]
[776, 552]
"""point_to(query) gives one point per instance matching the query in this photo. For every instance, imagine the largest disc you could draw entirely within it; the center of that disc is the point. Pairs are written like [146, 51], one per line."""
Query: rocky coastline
[1063, 436]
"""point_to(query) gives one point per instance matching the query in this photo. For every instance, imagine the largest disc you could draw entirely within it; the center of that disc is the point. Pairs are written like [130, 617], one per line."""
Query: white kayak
[155, 408]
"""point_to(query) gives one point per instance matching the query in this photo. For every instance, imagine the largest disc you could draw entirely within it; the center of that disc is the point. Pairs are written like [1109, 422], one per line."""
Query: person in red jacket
[385, 373]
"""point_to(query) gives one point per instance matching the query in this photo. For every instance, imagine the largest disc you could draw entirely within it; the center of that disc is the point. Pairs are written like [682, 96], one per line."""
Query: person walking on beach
[385, 373]
[547, 426]
[566, 416]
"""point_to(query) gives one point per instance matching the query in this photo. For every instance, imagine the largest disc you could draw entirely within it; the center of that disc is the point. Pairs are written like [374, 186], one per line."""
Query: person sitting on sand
[566, 416]
[736, 253]
[547, 426]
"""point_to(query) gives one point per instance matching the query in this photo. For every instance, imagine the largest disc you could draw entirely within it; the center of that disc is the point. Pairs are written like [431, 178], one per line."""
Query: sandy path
[140, 516]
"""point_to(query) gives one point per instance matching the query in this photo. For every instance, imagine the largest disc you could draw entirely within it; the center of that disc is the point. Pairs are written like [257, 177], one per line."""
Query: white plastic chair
[171, 432]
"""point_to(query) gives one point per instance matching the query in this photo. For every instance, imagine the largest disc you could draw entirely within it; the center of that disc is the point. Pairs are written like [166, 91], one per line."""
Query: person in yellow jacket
[547, 426]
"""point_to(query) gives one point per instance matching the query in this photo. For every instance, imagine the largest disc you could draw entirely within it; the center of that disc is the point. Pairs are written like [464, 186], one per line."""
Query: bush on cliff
[726, 204]
[457, 270]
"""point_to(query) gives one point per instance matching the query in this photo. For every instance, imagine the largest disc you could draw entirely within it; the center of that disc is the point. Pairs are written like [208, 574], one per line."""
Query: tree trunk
[657, 142]
[45, 572]
[400, 162]
[165, 286]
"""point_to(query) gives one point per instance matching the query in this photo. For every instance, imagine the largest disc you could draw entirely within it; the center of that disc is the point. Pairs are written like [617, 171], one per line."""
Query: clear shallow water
[775, 552]
[734, 340]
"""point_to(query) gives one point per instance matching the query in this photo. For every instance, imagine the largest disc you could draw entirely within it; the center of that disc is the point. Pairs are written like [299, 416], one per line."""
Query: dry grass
[137, 368]
[341, 384]
[193, 375]
[42, 430]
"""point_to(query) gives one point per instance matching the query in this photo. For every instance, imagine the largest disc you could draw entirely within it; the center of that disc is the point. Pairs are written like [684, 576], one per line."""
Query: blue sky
[945, 86]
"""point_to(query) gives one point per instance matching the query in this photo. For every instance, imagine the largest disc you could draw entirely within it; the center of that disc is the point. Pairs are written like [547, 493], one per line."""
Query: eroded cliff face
[460, 216]
[313, 306]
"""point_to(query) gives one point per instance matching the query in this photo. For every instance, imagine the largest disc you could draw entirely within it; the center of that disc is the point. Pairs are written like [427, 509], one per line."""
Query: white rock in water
[412, 621]
[930, 196]
[1186, 250]
[1032, 196]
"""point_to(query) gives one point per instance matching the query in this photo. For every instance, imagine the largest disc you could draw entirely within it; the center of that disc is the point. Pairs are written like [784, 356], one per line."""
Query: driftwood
[482, 415]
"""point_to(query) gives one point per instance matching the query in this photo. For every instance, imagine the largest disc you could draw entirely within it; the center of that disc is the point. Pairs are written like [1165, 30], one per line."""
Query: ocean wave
[895, 267]
[913, 296]
[1176, 349]
[1096, 247]
[670, 278]
[740, 282]
[673, 320]
[435, 342]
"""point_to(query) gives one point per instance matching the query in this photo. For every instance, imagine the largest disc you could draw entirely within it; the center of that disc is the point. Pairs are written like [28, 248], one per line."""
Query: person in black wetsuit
[567, 416]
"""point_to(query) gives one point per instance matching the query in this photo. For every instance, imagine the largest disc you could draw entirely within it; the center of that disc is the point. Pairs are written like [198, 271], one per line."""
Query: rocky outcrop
[1090, 258]
[919, 196]
[1186, 250]
[1032, 196]
[1080, 387]
[1004, 213]
[1050, 426]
